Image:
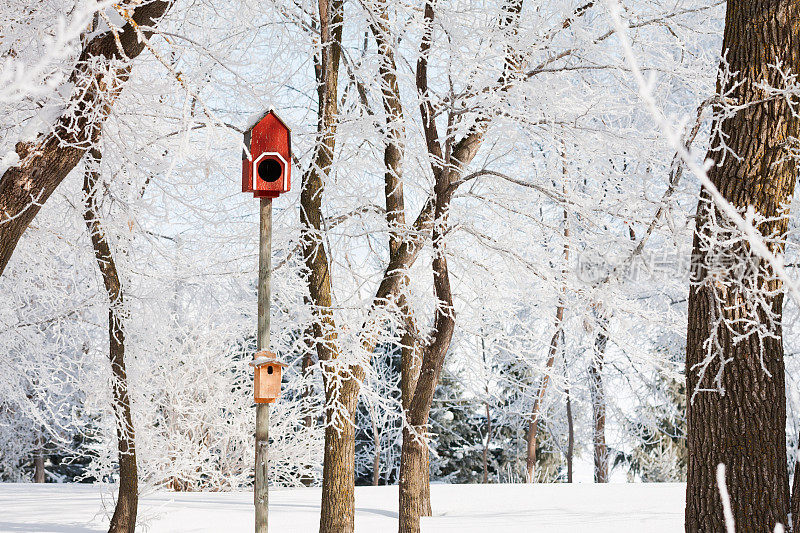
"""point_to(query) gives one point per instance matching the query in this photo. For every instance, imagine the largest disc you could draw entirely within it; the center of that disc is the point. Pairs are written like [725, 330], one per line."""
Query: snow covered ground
[651, 508]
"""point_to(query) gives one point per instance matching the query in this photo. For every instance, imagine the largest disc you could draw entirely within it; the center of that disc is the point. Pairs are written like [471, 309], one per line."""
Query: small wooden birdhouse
[268, 370]
[267, 169]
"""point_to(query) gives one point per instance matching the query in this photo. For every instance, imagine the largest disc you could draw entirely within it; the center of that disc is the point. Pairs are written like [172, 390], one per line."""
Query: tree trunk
[396, 219]
[533, 424]
[338, 479]
[38, 466]
[412, 458]
[45, 162]
[415, 475]
[124, 519]
[395, 216]
[376, 461]
[486, 443]
[737, 410]
[413, 461]
[412, 482]
[599, 402]
[338, 472]
[795, 504]
[570, 438]
[426, 485]
[308, 391]
[337, 513]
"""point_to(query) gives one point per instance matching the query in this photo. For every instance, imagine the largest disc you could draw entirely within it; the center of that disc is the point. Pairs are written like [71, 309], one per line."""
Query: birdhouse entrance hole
[269, 170]
[269, 369]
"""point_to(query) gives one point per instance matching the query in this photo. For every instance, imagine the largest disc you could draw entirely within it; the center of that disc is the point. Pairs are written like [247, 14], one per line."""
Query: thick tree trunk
[597, 393]
[418, 394]
[737, 413]
[412, 481]
[338, 479]
[45, 162]
[337, 513]
[413, 463]
[414, 475]
[413, 457]
[337, 501]
[124, 519]
[425, 475]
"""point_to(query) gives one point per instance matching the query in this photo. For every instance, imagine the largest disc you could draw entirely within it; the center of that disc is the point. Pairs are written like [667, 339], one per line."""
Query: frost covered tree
[124, 518]
[44, 157]
[42, 160]
[735, 356]
[447, 155]
[188, 384]
[657, 426]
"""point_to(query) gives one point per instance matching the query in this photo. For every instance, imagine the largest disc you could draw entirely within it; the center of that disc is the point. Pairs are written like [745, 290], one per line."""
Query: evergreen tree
[456, 444]
[372, 417]
[659, 430]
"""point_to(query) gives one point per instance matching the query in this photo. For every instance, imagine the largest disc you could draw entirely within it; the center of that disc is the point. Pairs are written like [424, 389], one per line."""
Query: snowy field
[650, 508]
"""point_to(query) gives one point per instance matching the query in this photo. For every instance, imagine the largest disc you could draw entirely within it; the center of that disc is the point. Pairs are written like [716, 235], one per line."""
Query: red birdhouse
[267, 172]
[267, 386]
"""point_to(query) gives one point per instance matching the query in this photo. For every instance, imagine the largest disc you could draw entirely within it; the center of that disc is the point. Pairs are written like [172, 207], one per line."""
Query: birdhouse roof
[266, 358]
[258, 117]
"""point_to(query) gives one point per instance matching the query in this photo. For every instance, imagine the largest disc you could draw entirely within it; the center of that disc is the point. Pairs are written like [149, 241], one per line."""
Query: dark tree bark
[420, 468]
[597, 393]
[795, 505]
[45, 162]
[739, 418]
[308, 390]
[396, 215]
[338, 471]
[570, 438]
[124, 519]
[487, 441]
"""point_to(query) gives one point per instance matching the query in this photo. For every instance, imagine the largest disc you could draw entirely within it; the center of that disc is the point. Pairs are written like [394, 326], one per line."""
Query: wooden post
[261, 489]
